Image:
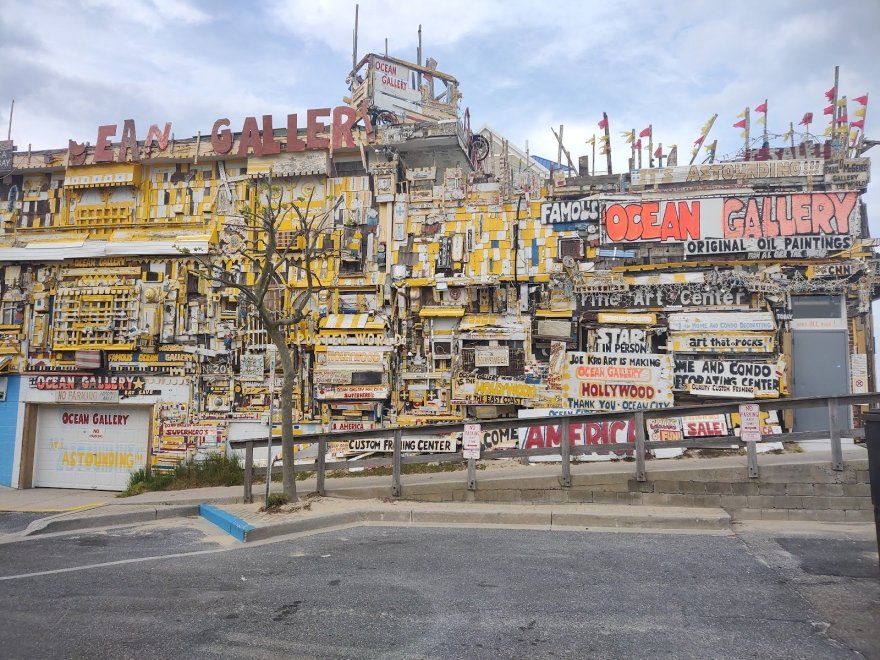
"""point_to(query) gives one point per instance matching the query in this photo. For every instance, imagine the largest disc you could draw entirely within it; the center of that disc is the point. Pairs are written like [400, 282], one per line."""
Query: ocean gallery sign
[253, 140]
[808, 216]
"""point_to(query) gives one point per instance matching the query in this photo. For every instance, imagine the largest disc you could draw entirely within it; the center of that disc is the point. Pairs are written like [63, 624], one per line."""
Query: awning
[45, 251]
[474, 321]
[441, 312]
[352, 322]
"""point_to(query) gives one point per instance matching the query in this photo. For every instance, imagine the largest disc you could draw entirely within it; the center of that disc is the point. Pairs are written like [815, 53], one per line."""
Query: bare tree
[278, 242]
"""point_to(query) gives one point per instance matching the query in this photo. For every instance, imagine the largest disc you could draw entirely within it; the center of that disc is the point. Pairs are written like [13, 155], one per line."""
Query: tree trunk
[288, 476]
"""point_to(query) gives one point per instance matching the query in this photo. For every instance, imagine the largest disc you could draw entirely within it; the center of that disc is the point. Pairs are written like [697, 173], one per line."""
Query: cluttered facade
[460, 280]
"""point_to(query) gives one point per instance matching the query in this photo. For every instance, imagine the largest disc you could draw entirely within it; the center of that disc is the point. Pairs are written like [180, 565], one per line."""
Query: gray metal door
[820, 369]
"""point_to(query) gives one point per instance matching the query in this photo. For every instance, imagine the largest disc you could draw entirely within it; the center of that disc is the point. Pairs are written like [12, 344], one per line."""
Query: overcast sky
[523, 66]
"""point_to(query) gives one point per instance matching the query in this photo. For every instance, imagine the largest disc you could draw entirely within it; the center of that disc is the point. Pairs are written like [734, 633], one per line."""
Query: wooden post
[395, 466]
[640, 446]
[834, 431]
[249, 471]
[565, 453]
[607, 142]
[322, 459]
[472, 474]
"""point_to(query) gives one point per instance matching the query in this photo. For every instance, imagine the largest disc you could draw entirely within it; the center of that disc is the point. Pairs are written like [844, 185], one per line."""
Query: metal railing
[566, 450]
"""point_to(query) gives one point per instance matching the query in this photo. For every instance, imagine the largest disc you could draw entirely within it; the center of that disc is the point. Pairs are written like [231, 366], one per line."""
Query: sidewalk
[357, 500]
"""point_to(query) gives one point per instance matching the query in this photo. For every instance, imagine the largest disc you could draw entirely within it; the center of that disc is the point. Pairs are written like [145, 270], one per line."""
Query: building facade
[459, 282]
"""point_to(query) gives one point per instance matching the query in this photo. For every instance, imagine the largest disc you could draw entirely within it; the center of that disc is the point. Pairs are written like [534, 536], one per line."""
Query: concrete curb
[64, 523]
[229, 523]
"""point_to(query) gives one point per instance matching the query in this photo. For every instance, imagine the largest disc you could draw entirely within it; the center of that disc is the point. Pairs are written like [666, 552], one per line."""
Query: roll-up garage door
[89, 447]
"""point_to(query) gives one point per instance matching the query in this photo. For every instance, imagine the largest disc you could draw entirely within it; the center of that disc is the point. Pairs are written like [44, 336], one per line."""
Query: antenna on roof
[354, 45]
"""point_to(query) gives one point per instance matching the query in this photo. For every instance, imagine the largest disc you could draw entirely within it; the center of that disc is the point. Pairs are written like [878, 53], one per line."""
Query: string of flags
[837, 109]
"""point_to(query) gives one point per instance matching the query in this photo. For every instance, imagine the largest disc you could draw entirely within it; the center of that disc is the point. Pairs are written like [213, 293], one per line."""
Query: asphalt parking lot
[175, 590]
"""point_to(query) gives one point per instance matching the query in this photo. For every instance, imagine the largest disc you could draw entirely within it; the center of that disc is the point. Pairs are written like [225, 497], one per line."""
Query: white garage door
[89, 447]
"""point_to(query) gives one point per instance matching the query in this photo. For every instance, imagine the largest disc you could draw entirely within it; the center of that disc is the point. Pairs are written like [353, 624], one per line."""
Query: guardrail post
[640, 446]
[834, 430]
[249, 471]
[395, 466]
[322, 451]
[752, 459]
[565, 454]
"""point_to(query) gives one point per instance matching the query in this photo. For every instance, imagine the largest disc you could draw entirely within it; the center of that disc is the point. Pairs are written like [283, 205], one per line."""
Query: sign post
[471, 451]
[750, 433]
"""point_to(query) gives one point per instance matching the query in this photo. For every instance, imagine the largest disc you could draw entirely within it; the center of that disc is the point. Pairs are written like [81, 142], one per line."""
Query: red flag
[829, 110]
[808, 119]
[658, 152]
[762, 108]
[843, 119]
[740, 124]
[859, 124]
[700, 139]
[638, 144]
[603, 123]
[830, 93]
[863, 100]
[645, 132]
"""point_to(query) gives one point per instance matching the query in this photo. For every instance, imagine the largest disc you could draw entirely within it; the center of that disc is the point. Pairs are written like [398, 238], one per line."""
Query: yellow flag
[742, 135]
[859, 112]
[762, 119]
[827, 131]
[841, 103]
[602, 138]
[787, 135]
[743, 113]
[854, 135]
[592, 140]
[694, 151]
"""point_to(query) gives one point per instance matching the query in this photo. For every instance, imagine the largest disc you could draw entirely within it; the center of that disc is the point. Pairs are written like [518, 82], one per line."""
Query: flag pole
[791, 134]
[834, 109]
[594, 154]
[607, 142]
[650, 145]
[746, 148]
[766, 140]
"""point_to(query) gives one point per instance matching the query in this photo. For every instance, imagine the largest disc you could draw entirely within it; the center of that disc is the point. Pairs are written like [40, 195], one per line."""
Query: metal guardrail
[565, 450]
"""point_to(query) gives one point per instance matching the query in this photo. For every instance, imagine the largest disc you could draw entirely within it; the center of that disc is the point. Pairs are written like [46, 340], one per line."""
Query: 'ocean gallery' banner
[607, 381]
[802, 221]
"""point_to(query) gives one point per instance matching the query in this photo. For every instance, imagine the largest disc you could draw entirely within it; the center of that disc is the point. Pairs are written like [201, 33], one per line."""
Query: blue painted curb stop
[232, 525]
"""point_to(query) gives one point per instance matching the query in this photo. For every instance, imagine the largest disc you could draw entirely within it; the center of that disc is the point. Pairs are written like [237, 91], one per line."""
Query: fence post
[249, 471]
[322, 451]
[395, 467]
[640, 446]
[472, 474]
[565, 454]
[834, 430]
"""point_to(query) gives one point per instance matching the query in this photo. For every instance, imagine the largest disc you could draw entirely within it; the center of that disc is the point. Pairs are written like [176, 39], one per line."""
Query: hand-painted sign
[666, 296]
[729, 342]
[701, 426]
[620, 340]
[324, 392]
[604, 381]
[750, 422]
[491, 356]
[620, 319]
[809, 216]
[469, 389]
[571, 211]
[728, 171]
[665, 429]
[429, 444]
[785, 246]
[850, 172]
[742, 378]
[721, 321]
[599, 432]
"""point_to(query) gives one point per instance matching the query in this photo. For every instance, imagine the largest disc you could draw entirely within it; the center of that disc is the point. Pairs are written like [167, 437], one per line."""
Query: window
[571, 247]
